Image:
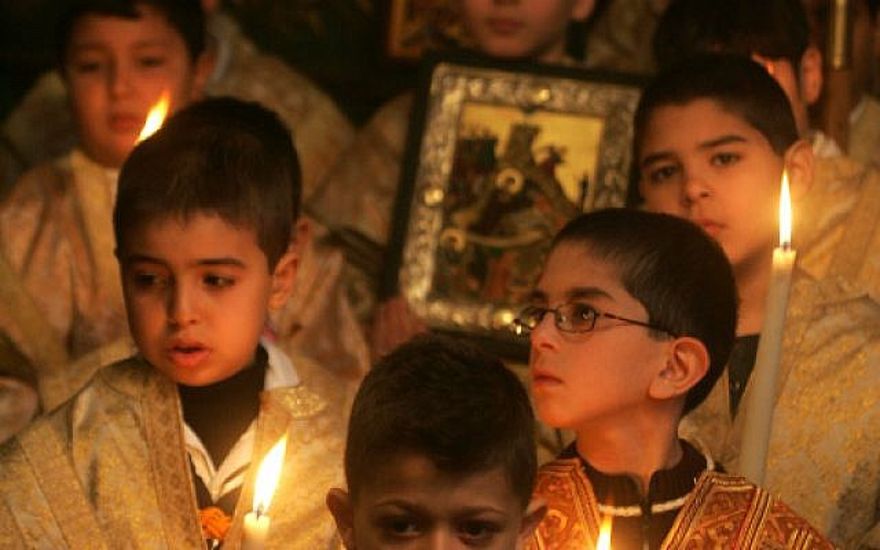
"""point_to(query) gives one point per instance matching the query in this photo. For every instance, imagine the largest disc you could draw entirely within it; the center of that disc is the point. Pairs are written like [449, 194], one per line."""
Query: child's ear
[203, 68]
[810, 79]
[284, 276]
[686, 364]
[582, 9]
[339, 503]
[799, 165]
[535, 512]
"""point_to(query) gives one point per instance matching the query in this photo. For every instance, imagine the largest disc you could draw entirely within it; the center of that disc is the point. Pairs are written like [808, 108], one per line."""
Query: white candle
[256, 522]
[762, 400]
[256, 529]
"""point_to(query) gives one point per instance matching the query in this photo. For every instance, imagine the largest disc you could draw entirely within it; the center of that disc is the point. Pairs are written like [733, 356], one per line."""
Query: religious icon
[501, 156]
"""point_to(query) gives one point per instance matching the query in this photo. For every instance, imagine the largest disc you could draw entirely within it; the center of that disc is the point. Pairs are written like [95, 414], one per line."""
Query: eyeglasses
[571, 317]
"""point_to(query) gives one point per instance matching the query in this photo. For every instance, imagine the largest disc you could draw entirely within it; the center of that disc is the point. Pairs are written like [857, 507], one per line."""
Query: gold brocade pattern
[121, 441]
[56, 233]
[864, 133]
[721, 512]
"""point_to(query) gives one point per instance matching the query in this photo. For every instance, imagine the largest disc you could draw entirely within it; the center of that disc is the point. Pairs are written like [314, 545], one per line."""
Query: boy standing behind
[631, 324]
[440, 453]
[203, 222]
[712, 138]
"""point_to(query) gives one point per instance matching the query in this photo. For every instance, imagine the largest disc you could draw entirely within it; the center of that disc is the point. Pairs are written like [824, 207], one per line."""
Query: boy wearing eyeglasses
[631, 324]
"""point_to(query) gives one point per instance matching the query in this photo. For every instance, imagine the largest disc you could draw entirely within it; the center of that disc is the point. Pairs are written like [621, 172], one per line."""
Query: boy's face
[594, 379]
[116, 69]
[409, 503]
[197, 295]
[522, 28]
[700, 162]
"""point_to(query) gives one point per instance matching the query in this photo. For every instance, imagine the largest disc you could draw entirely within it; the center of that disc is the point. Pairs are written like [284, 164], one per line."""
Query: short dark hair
[770, 28]
[737, 84]
[221, 155]
[185, 16]
[448, 401]
[675, 270]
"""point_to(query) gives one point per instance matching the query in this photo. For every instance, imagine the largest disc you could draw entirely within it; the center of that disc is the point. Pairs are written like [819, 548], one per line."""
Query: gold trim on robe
[111, 464]
[722, 511]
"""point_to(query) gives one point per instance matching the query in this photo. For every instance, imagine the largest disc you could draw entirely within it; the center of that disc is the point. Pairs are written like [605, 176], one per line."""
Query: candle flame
[604, 540]
[268, 475]
[785, 217]
[156, 116]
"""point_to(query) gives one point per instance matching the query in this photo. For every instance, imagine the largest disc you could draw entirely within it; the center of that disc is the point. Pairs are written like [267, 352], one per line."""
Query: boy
[712, 138]
[360, 191]
[117, 57]
[440, 453]
[202, 223]
[631, 324]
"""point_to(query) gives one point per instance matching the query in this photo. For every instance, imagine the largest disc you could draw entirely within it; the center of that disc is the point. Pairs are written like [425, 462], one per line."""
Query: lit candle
[155, 117]
[256, 522]
[604, 540]
[759, 409]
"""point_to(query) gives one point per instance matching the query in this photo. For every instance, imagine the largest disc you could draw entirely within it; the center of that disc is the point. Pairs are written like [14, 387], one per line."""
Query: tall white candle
[257, 522]
[762, 399]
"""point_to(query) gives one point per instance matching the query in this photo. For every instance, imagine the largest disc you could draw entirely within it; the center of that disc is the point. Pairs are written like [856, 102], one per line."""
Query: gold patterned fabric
[864, 132]
[722, 511]
[823, 456]
[620, 38]
[360, 191]
[56, 234]
[108, 468]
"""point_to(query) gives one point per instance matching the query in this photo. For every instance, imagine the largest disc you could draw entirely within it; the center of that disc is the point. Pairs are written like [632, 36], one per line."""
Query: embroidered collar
[619, 495]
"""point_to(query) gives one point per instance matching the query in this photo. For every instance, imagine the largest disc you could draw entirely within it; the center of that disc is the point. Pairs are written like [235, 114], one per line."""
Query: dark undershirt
[219, 414]
[742, 361]
[648, 529]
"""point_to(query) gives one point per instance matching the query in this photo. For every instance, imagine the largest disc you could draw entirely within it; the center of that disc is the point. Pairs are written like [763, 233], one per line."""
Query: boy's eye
[86, 66]
[724, 159]
[396, 527]
[151, 61]
[662, 174]
[581, 316]
[218, 281]
[146, 279]
[478, 532]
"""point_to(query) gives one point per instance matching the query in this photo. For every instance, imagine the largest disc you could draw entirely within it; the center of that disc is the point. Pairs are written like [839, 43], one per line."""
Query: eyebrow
[576, 293]
[420, 509]
[206, 262]
[709, 144]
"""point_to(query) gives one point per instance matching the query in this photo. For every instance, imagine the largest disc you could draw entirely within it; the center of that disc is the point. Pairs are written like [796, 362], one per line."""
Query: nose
[695, 189]
[545, 334]
[443, 538]
[181, 306]
[119, 80]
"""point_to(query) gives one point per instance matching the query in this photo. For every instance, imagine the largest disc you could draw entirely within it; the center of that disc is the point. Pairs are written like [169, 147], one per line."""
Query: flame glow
[785, 217]
[156, 116]
[604, 540]
[268, 475]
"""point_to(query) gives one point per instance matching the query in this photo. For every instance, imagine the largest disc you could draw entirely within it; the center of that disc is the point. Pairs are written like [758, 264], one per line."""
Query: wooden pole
[838, 72]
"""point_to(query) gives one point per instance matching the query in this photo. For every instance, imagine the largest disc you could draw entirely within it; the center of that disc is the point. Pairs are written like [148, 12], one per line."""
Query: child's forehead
[700, 121]
[414, 477]
[575, 270]
[204, 230]
[150, 26]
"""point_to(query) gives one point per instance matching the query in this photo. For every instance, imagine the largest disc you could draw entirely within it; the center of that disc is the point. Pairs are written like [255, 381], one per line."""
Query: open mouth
[188, 355]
